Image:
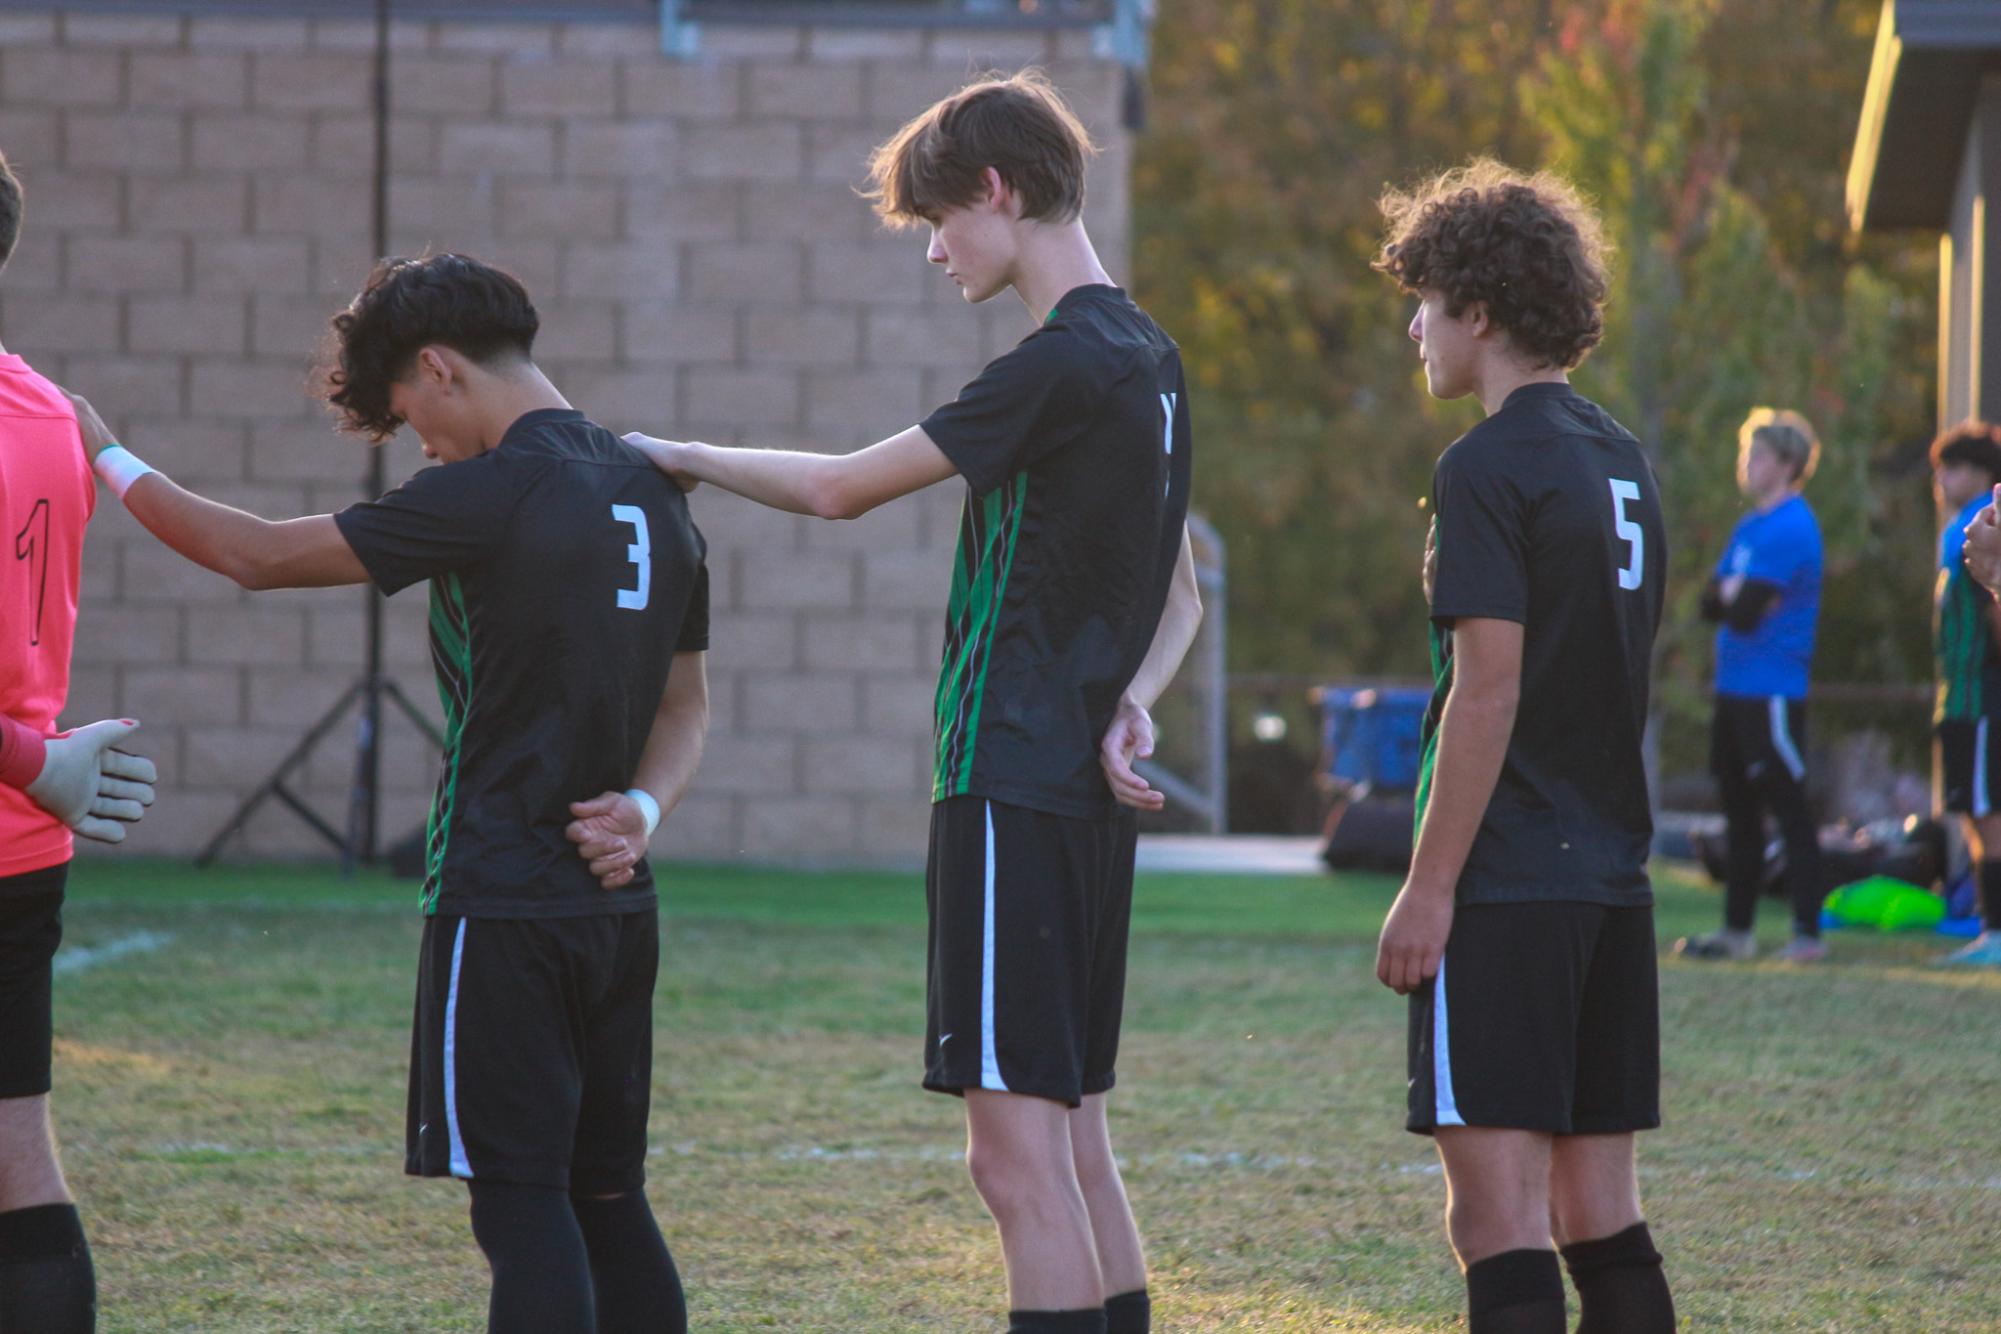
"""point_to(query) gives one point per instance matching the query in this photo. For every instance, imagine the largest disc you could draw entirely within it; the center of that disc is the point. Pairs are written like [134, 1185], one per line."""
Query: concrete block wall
[198, 205]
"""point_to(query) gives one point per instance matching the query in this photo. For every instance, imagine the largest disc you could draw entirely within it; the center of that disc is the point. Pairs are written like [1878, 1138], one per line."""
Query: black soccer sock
[541, 1273]
[1515, 1292]
[1129, 1313]
[1091, 1320]
[1620, 1284]
[1990, 894]
[638, 1288]
[47, 1283]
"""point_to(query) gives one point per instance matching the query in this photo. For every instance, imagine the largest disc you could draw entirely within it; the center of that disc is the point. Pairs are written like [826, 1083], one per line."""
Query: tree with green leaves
[1714, 139]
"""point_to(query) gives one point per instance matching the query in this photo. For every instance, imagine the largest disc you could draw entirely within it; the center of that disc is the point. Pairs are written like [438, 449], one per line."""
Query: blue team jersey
[1780, 547]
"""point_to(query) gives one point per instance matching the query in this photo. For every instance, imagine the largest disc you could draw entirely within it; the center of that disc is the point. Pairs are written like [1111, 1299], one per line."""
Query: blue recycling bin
[1372, 734]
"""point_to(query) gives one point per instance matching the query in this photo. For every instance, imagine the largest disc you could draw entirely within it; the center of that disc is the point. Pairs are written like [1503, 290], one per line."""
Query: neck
[1503, 375]
[1054, 260]
[511, 399]
[1771, 500]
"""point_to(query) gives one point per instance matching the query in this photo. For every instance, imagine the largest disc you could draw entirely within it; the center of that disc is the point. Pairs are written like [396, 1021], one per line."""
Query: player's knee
[1007, 1179]
[1477, 1229]
[1094, 1162]
[989, 1166]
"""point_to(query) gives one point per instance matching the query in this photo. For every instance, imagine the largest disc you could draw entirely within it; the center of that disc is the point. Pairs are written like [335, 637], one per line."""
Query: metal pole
[365, 799]
[1215, 583]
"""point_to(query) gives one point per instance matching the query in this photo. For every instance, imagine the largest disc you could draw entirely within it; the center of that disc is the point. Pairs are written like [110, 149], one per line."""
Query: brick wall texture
[198, 205]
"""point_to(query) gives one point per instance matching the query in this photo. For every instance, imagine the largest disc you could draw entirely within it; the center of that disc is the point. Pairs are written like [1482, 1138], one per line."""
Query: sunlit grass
[231, 1105]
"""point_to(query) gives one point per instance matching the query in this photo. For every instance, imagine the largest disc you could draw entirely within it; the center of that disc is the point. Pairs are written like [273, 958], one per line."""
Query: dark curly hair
[447, 300]
[1529, 248]
[1973, 442]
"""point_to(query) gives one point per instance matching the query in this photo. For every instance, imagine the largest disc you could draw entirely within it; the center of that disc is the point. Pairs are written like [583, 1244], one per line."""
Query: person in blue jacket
[1765, 597]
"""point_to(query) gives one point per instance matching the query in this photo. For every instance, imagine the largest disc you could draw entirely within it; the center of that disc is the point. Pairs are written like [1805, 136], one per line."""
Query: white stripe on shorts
[460, 1167]
[990, 1075]
[1441, 1054]
[1782, 740]
[1982, 805]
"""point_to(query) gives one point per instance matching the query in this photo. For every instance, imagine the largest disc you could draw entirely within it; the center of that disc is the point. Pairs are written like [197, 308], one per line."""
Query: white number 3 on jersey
[640, 553]
[1629, 532]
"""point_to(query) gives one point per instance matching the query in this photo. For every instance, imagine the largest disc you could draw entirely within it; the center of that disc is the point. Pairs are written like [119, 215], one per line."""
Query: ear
[999, 197]
[1476, 319]
[432, 366]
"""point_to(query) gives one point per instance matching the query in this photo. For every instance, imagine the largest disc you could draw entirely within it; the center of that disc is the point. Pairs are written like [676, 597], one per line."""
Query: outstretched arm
[256, 553]
[832, 486]
[611, 830]
[1130, 736]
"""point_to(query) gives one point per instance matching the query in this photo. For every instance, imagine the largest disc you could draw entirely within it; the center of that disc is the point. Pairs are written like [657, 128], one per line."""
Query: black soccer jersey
[1075, 449]
[565, 573]
[1549, 515]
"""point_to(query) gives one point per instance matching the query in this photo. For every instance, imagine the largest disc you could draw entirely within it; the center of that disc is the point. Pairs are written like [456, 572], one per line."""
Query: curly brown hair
[1528, 247]
[1019, 125]
[1973, 442]
[407, 305]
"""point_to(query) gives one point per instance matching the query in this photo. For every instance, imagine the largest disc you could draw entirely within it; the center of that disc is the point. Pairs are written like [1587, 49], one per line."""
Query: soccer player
[1766, 595]
[50, 785]
[1524, 934]
[1072, 601]
[566, 579]
[1966, 721]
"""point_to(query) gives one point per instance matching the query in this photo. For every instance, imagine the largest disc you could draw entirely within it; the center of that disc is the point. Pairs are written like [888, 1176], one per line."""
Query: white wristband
[647, 807]
[119, 467]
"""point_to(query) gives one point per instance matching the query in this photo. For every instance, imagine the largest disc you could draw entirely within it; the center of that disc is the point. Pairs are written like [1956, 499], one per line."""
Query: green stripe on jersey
[988, 538]
[1965, 647]
[1441, 686]
[451, 643]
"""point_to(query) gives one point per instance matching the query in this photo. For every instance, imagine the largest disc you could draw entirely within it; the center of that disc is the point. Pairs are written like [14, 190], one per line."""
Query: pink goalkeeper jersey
[46, 498]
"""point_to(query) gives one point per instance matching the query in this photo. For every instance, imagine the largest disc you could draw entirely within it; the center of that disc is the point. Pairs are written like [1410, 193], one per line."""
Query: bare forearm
[780, 478]
[212, 535]
[673, 752]
[257, 553]
[1180, 621]
[1472, 745]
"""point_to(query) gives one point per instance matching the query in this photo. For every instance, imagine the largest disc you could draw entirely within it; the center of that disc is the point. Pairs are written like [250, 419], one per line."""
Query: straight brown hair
[1017, 124]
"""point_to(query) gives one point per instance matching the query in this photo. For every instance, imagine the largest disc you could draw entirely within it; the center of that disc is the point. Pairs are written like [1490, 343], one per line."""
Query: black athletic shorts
[1026, 980]
[531, 1057]
[1543, 1016]
[31, 926]
[1761, 738]
[1966, 763]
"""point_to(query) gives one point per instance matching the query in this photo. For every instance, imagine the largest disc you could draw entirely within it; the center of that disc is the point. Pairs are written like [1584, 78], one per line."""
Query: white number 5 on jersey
[640, 553]
[1629, 532]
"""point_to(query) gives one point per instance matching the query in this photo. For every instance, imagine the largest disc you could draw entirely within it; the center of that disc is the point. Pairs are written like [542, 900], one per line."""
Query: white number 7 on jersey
[640, 553]
[1623, 491]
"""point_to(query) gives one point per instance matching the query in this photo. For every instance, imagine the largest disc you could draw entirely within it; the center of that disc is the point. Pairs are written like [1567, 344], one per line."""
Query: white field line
[1225, 1161]
[79, 957]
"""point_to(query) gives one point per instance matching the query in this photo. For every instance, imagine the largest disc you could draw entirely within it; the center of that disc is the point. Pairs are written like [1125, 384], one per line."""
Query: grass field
[230, 1068]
